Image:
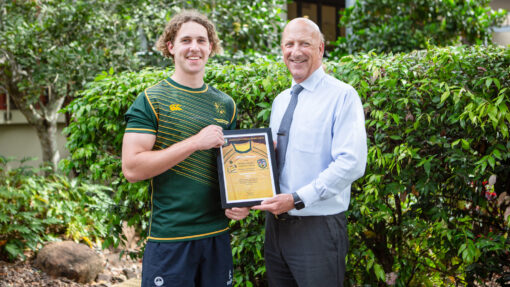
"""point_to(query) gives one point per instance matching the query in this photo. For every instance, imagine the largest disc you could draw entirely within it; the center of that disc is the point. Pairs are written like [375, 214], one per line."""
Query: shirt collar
[311, 82]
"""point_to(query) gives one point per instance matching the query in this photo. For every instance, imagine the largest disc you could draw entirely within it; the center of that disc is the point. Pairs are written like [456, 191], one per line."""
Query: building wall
[19, 140]
[502, 38]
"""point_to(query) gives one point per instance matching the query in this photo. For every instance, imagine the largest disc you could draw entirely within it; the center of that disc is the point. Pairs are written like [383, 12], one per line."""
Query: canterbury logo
[175, 107]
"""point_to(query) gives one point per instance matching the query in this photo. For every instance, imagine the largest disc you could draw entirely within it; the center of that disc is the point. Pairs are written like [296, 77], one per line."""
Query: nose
[194, 45]
[296, 50]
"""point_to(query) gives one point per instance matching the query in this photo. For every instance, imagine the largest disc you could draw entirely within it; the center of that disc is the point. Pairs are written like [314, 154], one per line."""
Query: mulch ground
[23, 273]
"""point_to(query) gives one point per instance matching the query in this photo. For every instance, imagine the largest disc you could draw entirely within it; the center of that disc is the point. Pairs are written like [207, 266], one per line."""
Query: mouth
[298, 61]
[193, 58]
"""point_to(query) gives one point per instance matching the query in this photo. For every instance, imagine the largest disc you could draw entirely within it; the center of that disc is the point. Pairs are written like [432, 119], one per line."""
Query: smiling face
[190, 49]
[302, 48]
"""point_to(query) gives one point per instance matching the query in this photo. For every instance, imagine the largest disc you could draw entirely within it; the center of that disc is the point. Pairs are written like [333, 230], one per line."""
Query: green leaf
[445, 96]
[491, 161]
[488, 82]
[465, 144]
[13, 250]
[504, 129]
[379, 272]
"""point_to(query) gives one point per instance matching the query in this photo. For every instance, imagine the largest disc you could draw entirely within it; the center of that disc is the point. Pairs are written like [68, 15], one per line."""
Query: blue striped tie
[283, 131]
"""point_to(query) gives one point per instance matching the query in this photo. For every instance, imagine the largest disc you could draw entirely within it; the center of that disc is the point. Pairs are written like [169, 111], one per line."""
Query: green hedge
[35, 209]
[404, 25]
[437, 123]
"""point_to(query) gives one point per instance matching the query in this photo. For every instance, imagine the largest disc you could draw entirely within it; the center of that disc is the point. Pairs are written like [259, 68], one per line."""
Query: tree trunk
[44, 120]
[38, 114]
[47, 133]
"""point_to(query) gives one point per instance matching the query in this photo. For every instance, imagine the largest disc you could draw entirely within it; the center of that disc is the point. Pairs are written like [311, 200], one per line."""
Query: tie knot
[296, 89]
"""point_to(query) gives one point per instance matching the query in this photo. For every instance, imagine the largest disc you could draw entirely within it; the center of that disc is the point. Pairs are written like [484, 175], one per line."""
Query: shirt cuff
[309, 193]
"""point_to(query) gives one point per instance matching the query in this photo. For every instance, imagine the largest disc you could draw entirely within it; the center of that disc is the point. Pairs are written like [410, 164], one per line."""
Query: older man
[321, 150]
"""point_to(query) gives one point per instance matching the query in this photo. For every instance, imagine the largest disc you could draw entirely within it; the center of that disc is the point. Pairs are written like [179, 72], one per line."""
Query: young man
[172, 130]
[321, 149]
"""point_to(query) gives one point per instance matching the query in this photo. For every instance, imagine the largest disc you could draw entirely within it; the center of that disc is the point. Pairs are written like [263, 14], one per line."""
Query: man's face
[191, 48]
[302, 49]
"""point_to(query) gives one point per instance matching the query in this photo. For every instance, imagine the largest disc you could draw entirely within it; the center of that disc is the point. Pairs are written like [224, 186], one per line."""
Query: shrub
[437, 123]
[35, 209]
[403, 25]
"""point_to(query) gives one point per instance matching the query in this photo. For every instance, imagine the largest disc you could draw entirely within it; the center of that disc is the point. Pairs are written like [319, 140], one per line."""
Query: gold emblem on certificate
[247, 168]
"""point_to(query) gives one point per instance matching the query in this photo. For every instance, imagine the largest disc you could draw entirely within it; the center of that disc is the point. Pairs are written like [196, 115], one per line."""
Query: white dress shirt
[327, 148]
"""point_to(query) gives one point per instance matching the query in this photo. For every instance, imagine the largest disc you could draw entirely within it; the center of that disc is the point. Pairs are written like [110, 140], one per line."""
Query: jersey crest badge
[220, 108]
[262, 163]
[175, 107]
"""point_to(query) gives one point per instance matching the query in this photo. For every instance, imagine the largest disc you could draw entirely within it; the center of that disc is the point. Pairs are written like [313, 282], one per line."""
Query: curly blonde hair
[172, 28]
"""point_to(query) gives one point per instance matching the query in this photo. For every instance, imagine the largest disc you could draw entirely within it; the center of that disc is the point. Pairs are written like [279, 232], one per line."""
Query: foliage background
[36, 209]
[425, 210]
[50, 49]
[433, 206]
[406, 25]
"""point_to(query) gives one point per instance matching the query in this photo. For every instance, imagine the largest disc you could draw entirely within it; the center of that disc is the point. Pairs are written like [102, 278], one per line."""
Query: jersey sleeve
[141, 117]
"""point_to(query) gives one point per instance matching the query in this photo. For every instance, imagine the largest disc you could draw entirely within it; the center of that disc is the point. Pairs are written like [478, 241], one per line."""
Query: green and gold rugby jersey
[185, 200]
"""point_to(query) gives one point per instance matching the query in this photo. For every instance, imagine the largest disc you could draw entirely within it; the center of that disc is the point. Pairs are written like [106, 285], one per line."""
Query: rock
[69, 259]
[116, 271]
[103, 278]
[120, 278]
[129, 273]
[113, 259]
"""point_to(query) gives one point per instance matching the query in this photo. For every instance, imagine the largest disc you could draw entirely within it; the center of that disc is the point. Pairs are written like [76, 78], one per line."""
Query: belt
[285, 216]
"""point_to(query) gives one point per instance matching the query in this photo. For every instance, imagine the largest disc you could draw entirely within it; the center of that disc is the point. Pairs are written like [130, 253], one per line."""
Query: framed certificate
[247, 168]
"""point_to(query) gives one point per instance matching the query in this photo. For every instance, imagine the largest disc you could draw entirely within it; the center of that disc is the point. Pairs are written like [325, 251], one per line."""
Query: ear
[321, 49]
[210, 49]
[170, 47]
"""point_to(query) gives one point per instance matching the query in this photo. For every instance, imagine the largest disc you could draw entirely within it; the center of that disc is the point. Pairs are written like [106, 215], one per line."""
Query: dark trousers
[306, 251]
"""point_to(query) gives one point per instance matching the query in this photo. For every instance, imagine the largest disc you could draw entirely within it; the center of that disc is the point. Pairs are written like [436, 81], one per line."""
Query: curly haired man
[172, 130]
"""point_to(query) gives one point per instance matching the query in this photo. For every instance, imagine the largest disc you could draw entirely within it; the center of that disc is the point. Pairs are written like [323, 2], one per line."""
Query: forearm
[140, 162]
[147, 164]
[333, 180]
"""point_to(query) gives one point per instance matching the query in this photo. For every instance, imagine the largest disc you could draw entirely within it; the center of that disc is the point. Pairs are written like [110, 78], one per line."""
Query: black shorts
[203, 262]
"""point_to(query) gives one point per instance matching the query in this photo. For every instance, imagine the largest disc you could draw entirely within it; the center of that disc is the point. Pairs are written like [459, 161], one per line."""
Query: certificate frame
[247, 171]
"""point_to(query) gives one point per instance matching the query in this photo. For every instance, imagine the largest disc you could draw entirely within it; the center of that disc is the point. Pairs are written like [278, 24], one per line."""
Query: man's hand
[237, 213]
[278, 204]
[209, 137]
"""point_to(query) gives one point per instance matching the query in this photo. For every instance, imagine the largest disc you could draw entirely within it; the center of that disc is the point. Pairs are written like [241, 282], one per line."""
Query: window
[325, 13]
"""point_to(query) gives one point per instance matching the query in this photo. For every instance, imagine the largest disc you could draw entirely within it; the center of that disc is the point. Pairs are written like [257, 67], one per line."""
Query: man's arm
[349, 151]
[140, 162]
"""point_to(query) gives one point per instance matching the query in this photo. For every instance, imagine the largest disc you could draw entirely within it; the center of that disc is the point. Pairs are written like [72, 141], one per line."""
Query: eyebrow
[299, 41]
[189, 36]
